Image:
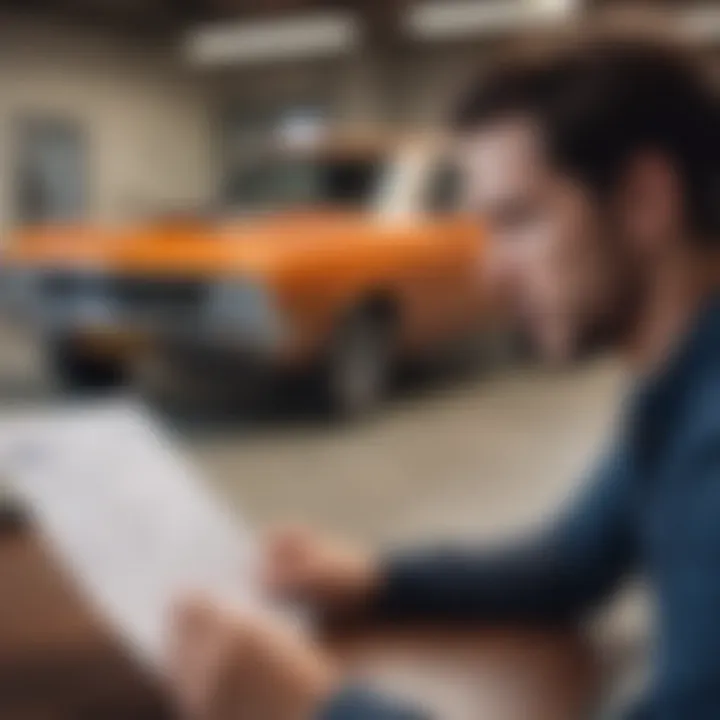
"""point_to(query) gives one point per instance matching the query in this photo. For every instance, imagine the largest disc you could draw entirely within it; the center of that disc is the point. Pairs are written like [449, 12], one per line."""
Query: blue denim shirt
[651, 508]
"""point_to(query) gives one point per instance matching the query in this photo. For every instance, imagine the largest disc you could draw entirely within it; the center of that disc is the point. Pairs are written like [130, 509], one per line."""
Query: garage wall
[413, 85]
[148, 122]
[433, 75]
[152, 123]
[342, 87]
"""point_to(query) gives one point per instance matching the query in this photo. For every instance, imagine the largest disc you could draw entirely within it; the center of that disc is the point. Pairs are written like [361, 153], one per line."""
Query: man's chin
[565, 350]
[558, 349]
[556, 358]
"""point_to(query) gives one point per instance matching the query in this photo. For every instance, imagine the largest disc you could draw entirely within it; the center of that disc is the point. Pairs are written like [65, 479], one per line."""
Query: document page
[125, 514]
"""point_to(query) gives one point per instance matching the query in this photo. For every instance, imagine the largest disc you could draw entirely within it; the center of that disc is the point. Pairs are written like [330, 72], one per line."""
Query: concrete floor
[464, 457]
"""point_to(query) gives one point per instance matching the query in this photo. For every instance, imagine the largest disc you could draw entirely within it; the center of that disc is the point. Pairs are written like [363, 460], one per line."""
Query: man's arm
[354, 704]
[552, 578]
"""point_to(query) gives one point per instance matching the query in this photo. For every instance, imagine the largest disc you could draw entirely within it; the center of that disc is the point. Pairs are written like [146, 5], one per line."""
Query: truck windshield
[304, 181]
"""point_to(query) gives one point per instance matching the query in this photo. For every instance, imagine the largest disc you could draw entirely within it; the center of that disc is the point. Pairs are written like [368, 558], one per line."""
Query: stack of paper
[125, 514]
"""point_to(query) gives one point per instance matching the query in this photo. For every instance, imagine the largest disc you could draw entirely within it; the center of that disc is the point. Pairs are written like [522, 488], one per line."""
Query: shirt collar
[656, 393]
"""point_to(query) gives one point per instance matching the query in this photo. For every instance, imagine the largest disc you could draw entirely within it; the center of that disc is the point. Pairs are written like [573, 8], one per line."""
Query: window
[248, 132]
[50, 173]
[282, 182]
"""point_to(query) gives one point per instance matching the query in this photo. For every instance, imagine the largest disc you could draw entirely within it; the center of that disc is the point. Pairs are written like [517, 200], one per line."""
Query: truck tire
[77, 370]
[359, 364]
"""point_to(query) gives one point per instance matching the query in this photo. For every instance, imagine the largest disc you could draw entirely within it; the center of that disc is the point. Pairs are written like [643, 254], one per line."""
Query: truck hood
[189, 246]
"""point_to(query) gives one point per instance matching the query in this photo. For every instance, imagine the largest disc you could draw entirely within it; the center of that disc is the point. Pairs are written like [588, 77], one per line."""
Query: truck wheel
[76, 369]
[359, 364]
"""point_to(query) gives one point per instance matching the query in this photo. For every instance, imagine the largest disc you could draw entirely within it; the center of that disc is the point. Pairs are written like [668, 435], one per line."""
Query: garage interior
[109, 98]
[125, 106]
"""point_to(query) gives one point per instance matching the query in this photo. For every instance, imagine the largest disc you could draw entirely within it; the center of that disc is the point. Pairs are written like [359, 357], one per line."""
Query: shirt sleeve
[552, 577]
[359, 704]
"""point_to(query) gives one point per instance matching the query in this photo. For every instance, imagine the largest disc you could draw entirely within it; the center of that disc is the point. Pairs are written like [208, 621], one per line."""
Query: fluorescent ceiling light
[444, 19]
[701, 22]
[303, 36]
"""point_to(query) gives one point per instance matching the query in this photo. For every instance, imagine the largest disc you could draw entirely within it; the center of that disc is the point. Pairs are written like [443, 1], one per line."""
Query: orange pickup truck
[343, 259]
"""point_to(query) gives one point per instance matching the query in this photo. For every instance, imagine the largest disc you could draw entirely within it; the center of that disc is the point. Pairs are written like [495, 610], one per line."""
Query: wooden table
[57, 663]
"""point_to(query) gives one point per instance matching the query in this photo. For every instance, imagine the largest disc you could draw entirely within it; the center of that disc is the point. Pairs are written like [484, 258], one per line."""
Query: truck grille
[129, 298]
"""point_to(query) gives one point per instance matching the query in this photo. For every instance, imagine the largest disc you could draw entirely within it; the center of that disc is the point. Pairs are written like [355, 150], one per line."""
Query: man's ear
[650, 203]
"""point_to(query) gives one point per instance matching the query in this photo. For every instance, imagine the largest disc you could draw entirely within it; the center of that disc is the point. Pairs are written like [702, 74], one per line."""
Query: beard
[613, 313]
[602, 304]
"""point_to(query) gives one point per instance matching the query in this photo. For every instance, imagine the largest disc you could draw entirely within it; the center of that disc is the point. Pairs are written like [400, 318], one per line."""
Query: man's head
[591, 163]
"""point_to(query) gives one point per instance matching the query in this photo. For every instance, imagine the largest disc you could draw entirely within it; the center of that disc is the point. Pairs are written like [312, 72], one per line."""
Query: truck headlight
[246, 309]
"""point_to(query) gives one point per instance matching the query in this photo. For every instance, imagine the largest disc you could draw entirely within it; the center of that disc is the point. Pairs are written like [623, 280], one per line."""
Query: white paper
[126, 515]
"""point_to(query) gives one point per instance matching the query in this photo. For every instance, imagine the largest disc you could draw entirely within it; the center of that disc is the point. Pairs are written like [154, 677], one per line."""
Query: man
[595, 167]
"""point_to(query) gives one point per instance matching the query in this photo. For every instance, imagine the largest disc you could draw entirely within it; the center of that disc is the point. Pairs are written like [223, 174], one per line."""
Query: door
[51, 183]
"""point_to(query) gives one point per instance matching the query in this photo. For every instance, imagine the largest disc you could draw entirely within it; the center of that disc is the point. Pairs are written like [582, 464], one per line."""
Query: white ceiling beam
[288, 38]
[701, 22]
[336, 33]
[448, 19]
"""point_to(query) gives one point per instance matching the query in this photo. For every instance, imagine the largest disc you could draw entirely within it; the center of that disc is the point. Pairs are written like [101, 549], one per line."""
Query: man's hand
[223, 665]
[304, 566]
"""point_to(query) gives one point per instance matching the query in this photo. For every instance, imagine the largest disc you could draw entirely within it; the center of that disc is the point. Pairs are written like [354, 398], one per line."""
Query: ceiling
[159, 15]
[170, 13]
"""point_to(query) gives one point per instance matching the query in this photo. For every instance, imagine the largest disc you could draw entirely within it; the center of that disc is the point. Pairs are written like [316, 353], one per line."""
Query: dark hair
[600, 98]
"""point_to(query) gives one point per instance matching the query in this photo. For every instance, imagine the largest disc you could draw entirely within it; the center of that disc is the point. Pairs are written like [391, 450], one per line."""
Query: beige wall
[434, 75]
[344, 86]
[152, 122]
[414, 86]
[148, 123]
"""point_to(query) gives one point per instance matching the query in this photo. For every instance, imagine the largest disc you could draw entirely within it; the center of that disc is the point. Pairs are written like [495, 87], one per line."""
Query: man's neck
[673, 297]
